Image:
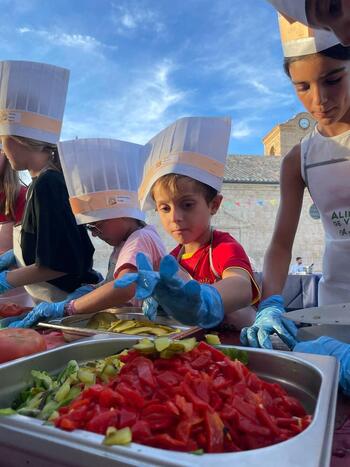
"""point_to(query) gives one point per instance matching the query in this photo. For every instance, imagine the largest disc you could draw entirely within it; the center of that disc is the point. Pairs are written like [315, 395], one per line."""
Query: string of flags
[251, 202]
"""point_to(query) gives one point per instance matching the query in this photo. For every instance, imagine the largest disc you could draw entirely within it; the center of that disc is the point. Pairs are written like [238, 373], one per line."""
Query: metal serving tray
[75, 327]
[312, 379]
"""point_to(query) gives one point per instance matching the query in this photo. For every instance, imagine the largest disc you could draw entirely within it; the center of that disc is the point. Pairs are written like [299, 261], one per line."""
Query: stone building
[283, 136]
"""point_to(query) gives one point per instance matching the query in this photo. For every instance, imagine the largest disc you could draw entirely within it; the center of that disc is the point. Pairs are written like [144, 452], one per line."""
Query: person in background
[319, 14]
[298, 267]
[52, 253]
[319, 68]
[103, 176]
[182, 178]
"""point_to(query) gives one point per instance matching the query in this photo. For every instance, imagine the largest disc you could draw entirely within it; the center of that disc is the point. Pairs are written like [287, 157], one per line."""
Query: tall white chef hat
[293, 8]
[32, 99]
[192, 146]
[102, 177]
[298, 39]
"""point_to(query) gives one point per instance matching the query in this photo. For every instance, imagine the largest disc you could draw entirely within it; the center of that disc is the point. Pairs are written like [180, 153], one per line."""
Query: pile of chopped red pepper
[197, 400]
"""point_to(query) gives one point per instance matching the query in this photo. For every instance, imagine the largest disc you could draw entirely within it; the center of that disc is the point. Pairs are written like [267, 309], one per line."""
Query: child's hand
[190, 303]
[270, 320]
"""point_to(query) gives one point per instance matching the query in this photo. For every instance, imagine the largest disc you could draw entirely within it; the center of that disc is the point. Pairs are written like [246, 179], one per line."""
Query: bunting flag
[248, 203]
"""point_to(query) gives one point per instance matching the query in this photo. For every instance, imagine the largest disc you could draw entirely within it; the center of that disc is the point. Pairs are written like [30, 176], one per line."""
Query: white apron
[18, 296]
[325, 166]
[238, 319]
[41, 291]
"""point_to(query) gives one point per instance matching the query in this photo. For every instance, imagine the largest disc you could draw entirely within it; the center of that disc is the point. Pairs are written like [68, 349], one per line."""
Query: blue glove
[269, 320]
[7, 260]
[328, 346]
[191, 303]
[46, 311]
[4, 285]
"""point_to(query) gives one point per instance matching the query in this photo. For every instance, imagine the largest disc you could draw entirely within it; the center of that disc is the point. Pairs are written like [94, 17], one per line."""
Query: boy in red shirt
[182, 178]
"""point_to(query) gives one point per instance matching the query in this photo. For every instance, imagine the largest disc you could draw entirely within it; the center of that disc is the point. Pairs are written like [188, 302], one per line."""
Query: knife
[328, 314]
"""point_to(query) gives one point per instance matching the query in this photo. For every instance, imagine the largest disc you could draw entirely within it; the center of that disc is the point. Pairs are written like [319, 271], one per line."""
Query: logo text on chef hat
[112, 200]
[10, 116]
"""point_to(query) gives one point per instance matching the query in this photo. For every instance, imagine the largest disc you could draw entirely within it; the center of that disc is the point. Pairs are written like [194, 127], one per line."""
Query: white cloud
[241, 130]
[80, 41]
[138, 112]
[134, 17]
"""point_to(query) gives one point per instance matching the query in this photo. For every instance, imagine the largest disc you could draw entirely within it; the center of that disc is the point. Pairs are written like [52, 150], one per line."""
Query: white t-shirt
[145, 240]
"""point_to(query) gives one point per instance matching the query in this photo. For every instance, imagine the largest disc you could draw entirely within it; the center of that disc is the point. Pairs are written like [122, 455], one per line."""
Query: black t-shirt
[50, 235]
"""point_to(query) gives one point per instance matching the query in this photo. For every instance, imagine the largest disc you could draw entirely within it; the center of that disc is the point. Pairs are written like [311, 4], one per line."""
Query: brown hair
[10, 185]
[170, 182]
[338, 52]
[42, 146]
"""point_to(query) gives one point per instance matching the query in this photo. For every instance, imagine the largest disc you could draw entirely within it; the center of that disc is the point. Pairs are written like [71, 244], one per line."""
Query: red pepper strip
[145, 370]
[190, 395]
[65, 423]
[132, 397]
[185, 407]
[215, 432]
[126, 418]
[158, 416]
[110, 398]
[99, 423]
[266, 420]
[166, 441]
[216, 354]
[247, 426]
[202, 361]
[140, 431]
[168, 378]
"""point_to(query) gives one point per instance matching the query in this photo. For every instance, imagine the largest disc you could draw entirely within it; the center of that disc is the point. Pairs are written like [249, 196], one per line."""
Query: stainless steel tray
[313, 379]
[74, 327]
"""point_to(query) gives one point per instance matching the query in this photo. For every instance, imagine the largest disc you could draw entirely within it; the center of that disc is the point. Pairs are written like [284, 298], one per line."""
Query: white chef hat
[293, 8]
[32, 99]
[192, 146]
[298, 39]
[102, 177]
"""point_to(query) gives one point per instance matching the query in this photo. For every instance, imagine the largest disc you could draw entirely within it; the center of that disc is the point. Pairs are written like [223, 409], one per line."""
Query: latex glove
[7, 260]
[150, 308]
[268, 321]
[328, 346]
[4, 285]
[45, 311]
[191, 303]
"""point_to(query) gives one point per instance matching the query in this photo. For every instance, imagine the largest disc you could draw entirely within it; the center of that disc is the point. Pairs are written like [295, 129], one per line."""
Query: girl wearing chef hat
[53, 255]
[319, 68]
[12, 201]
[327, 15]
[182, 178]
[103, 176]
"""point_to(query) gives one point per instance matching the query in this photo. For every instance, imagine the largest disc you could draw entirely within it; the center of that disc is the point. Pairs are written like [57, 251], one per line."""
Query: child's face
[16, 153]
[323, 86]
[186, 215]
[111, 231]
[334, 15]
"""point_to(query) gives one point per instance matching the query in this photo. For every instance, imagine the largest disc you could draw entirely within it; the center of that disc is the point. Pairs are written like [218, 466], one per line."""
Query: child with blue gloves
[207, 277]
[103, 195]
[319, 68]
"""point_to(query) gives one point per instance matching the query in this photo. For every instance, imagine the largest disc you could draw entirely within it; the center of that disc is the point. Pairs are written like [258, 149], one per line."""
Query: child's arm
[235, 289]
[269, 319]
[106, 296]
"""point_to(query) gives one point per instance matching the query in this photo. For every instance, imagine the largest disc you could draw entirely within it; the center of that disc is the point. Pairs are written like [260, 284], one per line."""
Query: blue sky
[138, 65]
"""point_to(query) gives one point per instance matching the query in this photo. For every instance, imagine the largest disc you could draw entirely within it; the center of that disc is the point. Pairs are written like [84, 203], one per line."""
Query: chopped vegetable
[212, 339]
[195, 401]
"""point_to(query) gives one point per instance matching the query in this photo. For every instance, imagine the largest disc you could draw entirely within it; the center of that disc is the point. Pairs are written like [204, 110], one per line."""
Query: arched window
[272, 151]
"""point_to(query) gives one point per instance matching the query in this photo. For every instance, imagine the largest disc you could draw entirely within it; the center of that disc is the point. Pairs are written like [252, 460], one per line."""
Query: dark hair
[170, 182]
[298, 257]
[338, 52]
